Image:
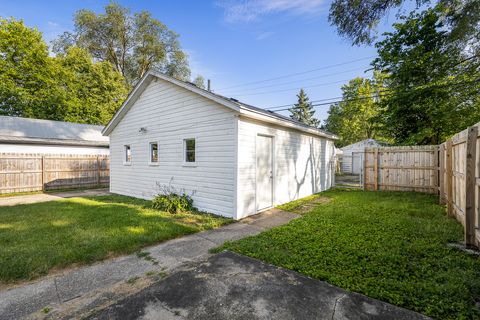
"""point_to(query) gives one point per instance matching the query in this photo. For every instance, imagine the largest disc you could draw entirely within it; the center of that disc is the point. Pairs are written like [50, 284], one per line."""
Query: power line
[382, 95]
[298, 73]
[464, 60]
[313, 101]
[336, 99]
[292, 89]
[336, 102]
[300, 80]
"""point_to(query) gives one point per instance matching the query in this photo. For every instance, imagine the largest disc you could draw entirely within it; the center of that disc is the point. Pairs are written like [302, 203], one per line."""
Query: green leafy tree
[303, 110]
[199, 81]
[357, 20]
[93, 90]
[27, 73]
[68, 87]
[433, 87]
[132, 43]
[355, 118]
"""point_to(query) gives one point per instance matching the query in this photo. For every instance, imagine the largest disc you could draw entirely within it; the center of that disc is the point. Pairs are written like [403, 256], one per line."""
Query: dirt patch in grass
[309, 206]
[305, 205]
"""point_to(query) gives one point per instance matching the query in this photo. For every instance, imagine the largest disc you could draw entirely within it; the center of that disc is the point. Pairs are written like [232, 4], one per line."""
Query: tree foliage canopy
[356, 117]
[132, 43]
[69, 87]
[432, 86]
[199, 81]
[357, 20]
[428, 91]
[303, 110]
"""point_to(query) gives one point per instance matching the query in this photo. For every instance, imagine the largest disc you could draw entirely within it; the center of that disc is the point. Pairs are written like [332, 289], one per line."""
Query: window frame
[126, 161]
[150, 154]
[184, 152]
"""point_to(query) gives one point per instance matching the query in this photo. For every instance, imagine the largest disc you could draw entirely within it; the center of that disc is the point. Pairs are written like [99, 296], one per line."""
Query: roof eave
[43, 141]
[272, 119]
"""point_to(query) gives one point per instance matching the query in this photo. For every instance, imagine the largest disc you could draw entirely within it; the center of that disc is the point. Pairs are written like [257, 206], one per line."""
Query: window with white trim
[128, 154]
[189, 146]
[153, 152]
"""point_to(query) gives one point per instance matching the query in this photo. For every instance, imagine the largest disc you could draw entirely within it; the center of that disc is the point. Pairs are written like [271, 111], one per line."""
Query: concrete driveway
[45, 197]
[231, 286]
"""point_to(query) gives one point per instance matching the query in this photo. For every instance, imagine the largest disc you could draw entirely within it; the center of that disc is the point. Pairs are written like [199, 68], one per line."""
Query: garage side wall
[303, 164]
[169, 114]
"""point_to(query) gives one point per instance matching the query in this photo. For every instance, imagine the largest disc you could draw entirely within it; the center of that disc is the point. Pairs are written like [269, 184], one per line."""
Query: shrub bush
[173, 202]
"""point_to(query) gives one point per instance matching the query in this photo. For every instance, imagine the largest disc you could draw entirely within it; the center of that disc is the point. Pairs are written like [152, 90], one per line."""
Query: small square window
[189, 150]
[128, 154]
[153, 152]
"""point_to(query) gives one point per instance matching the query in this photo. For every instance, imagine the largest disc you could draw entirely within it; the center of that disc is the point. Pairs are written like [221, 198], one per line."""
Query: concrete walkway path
[45, 197]
[85, 284]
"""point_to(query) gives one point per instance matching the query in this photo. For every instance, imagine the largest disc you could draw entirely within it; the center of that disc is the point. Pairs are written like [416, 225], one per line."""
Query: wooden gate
[412, 168]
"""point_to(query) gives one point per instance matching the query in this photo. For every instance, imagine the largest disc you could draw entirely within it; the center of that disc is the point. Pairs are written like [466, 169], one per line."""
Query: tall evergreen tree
[303, 110]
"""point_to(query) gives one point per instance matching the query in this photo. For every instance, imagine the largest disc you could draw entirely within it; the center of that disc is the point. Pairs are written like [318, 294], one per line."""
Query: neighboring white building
[235, 159]
[25, 135]
[352, 155]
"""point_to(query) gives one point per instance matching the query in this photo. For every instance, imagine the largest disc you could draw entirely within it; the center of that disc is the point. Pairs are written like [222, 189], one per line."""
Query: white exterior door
[264, 151]
[357, 162]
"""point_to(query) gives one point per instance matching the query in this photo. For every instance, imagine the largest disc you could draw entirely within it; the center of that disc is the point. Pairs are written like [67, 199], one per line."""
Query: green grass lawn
[36, 238]
[391, 246]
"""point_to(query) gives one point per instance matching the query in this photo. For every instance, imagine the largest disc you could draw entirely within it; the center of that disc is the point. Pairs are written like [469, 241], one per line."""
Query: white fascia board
[262, 117]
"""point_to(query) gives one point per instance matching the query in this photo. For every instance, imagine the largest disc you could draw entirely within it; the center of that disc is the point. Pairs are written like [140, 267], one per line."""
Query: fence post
[365, 168]
[441, 173]
[43, 173]
[470, 185]
[449, 179]
[375, 170]
[98, 171]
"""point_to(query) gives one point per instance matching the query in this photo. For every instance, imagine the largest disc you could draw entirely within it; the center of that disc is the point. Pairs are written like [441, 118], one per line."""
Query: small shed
[25, 135]
[234, 159]
[351, 158]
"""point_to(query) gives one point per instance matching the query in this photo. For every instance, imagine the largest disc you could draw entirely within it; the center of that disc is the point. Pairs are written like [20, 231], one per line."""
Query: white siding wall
[48, 149]
[171, 114]
[354, 152]
[303, 164]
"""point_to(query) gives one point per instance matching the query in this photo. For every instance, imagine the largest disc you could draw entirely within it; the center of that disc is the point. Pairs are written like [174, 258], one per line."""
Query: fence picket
[40, 172]
[451, 170]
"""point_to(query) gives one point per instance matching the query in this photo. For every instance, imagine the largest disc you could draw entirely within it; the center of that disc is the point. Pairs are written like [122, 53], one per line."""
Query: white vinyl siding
[171, 114]
[303, 164]
[352, 156]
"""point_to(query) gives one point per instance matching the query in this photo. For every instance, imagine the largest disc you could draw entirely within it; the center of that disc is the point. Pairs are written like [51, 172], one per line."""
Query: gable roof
[365, 143]
[37, 131]
[233, 104]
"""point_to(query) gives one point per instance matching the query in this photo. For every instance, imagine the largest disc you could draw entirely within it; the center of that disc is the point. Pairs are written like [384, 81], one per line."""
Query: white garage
[234, 159]
[353, 155]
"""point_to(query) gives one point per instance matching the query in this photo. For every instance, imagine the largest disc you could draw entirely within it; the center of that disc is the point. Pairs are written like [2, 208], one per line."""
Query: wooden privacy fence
[412, 168]
[451, 170]
[23, 172]
[460, 181]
